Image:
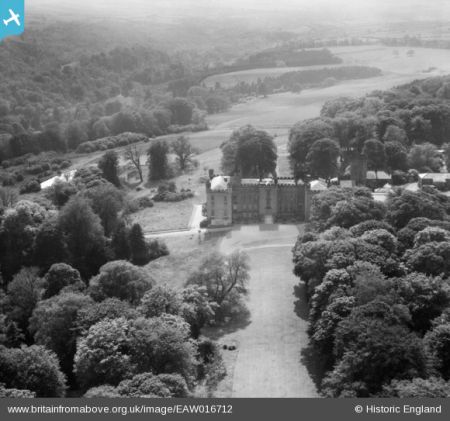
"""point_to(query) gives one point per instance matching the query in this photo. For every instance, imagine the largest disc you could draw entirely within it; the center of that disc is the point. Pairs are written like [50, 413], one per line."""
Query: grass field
[396, 59]
[388, 59]
[165, 216]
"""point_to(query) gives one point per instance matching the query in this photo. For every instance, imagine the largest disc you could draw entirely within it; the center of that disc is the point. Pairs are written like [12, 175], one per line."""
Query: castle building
[235, 200]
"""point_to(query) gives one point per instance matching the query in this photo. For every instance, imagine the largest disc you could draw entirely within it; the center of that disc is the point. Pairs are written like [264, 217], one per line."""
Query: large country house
[232, 199]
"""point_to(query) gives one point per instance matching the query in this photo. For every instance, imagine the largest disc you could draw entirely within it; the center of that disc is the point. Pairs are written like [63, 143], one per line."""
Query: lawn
[186, 254]
[164, 216]
[266, 362]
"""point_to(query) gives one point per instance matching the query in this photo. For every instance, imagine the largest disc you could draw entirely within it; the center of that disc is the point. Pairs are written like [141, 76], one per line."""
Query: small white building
[65, 177]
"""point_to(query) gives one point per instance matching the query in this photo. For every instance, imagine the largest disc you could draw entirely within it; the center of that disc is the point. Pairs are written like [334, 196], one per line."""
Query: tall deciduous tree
[60, 276]
[437, 343]
[322, 158]
[109, 165]
[183, 150]
[181, 110]
[24, 292]
[408, 205]
[17, 233]
[114, 350]
[375, 154]
[133, 154]
[52, 325]
[139, 252]
[8, 197]
[396, 156]
[158, 161]
[250, 152]
[222, 275]
[76, 134]
[425, 157]
[120, 279]
[50, 245]
[84, 234]
[33, 368]
[301, 138]
[106, 202]
[120, 242]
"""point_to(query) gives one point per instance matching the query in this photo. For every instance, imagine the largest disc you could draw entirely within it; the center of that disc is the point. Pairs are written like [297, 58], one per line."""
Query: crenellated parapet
[236, 199]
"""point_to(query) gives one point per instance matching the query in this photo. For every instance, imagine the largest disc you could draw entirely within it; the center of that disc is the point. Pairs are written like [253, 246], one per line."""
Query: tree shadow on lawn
[301, 304]
[314, 364]
[218, 331]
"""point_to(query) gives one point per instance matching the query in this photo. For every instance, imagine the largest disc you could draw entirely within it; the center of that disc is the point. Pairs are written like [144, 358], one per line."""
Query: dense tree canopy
[109, 164]
[84, 235]
[301, 138]
[322, 158]
[249, 152]
[32, 368]
[52, 325]
[158, 161]
[112, 350]
[379, 292]
[120, 279]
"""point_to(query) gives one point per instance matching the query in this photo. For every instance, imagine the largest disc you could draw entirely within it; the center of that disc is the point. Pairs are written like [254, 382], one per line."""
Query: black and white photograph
[225, 199]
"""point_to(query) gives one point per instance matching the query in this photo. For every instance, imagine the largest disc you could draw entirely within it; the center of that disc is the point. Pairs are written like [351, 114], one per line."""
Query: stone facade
[232, 200]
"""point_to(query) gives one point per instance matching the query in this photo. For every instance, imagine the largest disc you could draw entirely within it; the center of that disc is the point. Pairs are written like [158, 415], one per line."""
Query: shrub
[111, 142]
[156, 249]
[145, 202]
[138, 204]
[31, 186]
[399, 178]
[211, 368]
[8, 180]
[205, 223]
[170, 195]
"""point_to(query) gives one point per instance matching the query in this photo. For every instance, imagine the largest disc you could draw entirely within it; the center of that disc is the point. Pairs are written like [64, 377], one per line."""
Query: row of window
[286, 204]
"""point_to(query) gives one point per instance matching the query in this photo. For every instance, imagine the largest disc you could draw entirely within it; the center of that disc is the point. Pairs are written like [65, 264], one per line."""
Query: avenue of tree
[376, 274]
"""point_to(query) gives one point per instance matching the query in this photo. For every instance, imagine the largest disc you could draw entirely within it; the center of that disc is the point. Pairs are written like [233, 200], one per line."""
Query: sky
[352, 9]
[357, 6]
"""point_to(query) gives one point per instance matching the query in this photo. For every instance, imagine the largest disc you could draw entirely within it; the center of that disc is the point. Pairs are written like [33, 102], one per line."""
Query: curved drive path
[268, 362]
